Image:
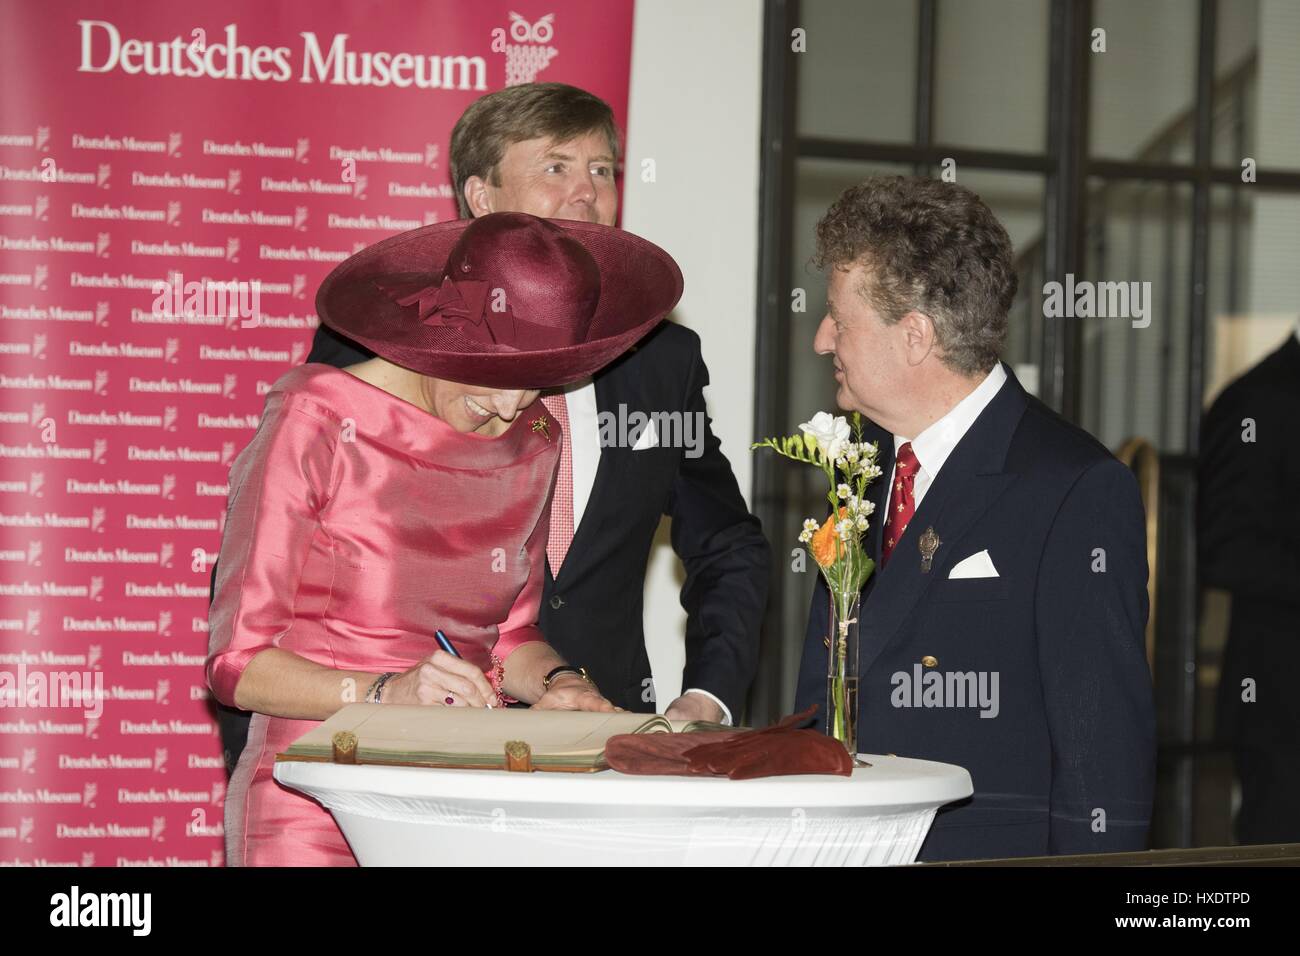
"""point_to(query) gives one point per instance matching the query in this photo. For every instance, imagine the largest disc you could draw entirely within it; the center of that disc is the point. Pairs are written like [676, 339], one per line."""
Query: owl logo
[527, 52]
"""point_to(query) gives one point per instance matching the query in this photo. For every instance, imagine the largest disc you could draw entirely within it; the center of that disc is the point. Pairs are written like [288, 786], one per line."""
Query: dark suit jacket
[1249, 544]
[592, 614]
[1074, 730]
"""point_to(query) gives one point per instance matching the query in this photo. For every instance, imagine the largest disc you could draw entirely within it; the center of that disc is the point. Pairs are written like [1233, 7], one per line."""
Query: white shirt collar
[933, 446]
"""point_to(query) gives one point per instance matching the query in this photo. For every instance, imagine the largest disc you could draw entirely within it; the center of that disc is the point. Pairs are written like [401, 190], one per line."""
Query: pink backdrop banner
[149, 151]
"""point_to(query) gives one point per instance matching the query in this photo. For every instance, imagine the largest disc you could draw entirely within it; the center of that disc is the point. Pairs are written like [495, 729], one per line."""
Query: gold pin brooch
[541, 427]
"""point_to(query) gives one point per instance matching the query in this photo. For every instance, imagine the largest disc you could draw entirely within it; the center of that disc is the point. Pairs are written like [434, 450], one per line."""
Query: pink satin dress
[358, 524]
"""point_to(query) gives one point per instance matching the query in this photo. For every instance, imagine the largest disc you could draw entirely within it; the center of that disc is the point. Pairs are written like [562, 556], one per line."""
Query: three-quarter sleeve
[278, 486]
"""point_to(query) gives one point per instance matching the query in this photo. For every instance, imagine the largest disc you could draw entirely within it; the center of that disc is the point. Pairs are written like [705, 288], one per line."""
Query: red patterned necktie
[901, 502]
[562, 504]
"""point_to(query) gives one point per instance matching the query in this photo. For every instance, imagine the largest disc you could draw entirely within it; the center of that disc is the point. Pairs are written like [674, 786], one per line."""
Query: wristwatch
[566, 668]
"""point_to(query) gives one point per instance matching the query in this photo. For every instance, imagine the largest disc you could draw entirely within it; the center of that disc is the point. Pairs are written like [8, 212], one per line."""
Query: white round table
[414, 816]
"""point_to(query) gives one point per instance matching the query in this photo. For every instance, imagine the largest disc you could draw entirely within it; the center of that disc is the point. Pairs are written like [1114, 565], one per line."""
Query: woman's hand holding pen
[441, 679]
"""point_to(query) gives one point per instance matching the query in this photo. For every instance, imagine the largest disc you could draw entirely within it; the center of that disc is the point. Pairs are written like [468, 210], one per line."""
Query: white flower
[862, 523]
[805, 536]
[868, 508]
[810, 525]
[842, 491]
[844, 529]
[830, 432]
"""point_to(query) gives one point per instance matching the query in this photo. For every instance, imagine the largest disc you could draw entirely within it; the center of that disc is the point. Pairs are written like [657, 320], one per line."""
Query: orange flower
[826, 545]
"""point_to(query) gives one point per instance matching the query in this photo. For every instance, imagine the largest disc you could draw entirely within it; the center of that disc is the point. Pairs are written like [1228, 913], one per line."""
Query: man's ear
[918, 336]
[476, 196]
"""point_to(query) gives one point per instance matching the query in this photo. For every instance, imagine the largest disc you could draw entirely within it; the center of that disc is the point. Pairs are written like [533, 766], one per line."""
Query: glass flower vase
[842, 672]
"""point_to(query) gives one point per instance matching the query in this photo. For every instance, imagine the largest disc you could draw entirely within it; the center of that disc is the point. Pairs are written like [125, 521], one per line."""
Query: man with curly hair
[1003, 628]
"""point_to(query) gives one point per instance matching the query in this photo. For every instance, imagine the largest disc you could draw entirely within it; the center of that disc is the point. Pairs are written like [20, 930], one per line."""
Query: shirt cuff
[726, 714]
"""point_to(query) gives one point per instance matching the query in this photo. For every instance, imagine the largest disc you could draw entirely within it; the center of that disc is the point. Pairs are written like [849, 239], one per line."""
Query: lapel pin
[542, 428]
[929, 544]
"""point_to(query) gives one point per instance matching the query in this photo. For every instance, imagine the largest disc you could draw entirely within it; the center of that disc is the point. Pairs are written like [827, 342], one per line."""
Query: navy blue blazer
[1062, 756]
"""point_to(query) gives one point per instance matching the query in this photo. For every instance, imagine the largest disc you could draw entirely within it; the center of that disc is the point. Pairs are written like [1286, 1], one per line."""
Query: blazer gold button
[929, 661]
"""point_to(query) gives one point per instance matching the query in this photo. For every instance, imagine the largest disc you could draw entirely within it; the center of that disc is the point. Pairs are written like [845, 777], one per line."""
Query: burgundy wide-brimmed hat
[507, 300]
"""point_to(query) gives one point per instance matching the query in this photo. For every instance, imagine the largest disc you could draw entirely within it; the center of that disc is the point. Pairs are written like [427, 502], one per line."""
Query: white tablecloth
[411, 816]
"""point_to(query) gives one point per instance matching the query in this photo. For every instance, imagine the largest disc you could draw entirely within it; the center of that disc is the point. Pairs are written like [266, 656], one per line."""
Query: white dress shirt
[933, 446]
[584, 438]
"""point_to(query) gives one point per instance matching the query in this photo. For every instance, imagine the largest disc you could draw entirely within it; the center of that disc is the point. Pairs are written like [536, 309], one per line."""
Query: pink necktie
[562, 504]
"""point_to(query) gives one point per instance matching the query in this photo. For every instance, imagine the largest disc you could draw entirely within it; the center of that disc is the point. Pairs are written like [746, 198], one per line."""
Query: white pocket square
[649, 437]
[976, 566]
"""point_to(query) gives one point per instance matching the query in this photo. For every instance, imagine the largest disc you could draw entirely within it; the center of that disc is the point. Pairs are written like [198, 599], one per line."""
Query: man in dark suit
[1016, 651]
[550, 150]
[1249, 545]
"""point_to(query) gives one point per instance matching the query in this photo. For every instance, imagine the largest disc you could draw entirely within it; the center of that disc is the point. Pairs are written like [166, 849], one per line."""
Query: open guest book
[476, 738]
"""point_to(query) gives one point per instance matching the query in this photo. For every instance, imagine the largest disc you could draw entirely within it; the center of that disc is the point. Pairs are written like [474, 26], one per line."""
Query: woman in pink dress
[380, 503]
